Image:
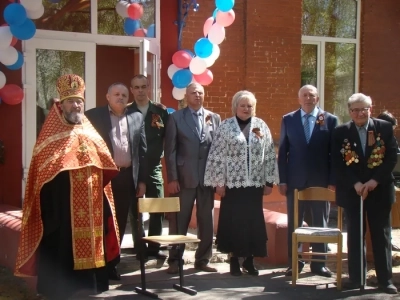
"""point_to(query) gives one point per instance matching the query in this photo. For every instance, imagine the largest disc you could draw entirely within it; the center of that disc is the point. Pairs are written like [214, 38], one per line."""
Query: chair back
[314, 194]
[158, 205]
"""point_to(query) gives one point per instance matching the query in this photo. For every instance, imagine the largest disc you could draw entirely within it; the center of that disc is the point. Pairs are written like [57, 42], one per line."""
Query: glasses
[358, 110]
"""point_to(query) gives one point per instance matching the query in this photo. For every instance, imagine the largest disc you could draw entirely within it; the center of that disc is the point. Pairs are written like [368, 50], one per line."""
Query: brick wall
[380, 55]
[261, 53]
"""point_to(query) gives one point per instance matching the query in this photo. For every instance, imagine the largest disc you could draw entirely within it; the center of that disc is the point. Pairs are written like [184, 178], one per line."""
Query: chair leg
[295, 258]
[142, 290]
[339, 263]
[180, 287]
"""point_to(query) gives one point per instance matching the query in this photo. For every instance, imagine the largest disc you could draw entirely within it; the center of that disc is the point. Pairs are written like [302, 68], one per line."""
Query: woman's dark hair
[387, 116]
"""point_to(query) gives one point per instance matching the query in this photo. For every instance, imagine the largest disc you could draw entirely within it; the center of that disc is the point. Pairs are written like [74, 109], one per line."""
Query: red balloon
[181, 59]
[135, 11]
[204, 78]
[12, 94]
[140, 32]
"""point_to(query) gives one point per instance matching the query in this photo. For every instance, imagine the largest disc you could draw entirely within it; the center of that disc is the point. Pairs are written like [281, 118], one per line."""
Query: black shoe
[248, 266]
[157, 254]
[324, 271]
[388, 289]
[234, 266]
[350, 285]
[300, 266]
[113, 274]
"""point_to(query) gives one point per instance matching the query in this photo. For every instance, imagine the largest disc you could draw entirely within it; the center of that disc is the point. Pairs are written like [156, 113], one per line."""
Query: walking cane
[362, 285]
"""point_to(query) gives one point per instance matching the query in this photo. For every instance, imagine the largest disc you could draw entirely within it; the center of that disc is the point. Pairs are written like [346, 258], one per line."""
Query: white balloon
[216, 35]
[197, 65]
[172, 69]
[35, 14]
[122, 8]
[32, 5]
[5, 37]
[2, 80]
[8, 56]
[209, 61]
[215, 52]
[178, 94]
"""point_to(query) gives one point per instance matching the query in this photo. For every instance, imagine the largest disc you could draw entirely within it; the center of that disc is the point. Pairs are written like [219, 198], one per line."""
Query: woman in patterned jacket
[241, 166]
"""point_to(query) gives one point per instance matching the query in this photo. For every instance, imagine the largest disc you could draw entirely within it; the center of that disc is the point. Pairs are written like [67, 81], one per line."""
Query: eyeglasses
[358, 110]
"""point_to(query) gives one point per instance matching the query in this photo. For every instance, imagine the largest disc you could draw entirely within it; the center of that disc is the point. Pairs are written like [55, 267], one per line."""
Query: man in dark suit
[122, 129]
[304, 161]
[190, 132]
[155, 122]
[364, 155]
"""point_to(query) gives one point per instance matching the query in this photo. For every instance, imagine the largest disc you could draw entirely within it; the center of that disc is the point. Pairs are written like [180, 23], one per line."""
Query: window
[329, 54]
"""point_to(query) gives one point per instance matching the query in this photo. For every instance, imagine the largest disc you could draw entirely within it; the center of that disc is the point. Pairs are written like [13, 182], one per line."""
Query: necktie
[363, 137]
[307, 127]
[197, 122]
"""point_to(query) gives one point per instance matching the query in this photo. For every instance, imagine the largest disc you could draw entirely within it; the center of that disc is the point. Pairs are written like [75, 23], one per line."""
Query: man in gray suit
[122, 129]
[190, 132]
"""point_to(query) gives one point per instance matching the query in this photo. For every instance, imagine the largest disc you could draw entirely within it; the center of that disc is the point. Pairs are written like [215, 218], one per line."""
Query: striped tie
[307, 127]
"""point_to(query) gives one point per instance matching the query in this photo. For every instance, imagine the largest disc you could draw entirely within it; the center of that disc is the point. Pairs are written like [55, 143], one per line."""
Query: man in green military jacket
[155, 119]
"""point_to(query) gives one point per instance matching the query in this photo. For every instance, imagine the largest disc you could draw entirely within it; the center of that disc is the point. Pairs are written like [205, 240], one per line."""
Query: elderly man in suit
[304, 161]
[364, 152]
[190, 132]
[122, 129]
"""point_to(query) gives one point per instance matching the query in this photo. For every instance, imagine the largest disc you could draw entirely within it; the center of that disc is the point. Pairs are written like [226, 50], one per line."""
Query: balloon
[3, 80]
[18, 64]
[178, 94]
[135, 11]
[197, 65]
[170, 110]
[35, 14]
[5, 37]
[172, 69]
[214, 15]
[207, 25]
[122, 9]
[216, 35]
[224, 5]
[130, 26]
[190, 52]
[8, 56]
[14, 41]
[203, 47]
[182, 78]
[11, 94]
[25, 31]
[204, 78]
[225, 18]
[181, 59]
[216, 52]
[140, 32]
[209, 61]
[14, 14]
[32, 5]
[151, 31]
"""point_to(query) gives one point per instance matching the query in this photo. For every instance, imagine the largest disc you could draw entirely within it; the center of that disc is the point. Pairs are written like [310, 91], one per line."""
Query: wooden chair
[162, 205]
[316, 234]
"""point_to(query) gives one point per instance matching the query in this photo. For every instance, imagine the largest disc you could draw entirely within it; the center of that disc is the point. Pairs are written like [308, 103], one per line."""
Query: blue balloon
[214, 15]
[203, 48]
[130, 26]
[170, 110]
[151, 31]
[25, 31]
[190, 52]
[18, 64]
[14, 14]
[182, 78]
[224, 5]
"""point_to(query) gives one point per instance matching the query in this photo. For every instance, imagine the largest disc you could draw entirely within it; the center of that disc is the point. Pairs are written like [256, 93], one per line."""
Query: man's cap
[71, 86]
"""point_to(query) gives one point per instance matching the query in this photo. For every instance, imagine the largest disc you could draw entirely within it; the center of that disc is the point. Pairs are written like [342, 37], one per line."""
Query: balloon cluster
[132, 12]
[187, 67]
[19, 26]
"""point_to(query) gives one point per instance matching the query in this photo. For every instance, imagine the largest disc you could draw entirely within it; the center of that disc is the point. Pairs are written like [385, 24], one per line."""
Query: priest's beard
[74, 117]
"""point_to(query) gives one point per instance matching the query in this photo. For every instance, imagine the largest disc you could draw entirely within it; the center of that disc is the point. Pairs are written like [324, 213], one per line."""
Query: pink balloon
[216, 34]
[225, 18]
[12, 94]
[204, 78]
[140, 32]
[207, 25]
[181, 59]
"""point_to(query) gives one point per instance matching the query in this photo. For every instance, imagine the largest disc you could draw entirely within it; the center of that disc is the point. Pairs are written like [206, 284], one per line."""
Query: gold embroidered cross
[82, 148]
[81, 213]
[79, 176]
[97, 212]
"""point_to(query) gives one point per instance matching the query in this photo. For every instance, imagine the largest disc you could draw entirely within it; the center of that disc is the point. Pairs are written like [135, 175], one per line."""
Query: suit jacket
[185, 151]
[100, 118]
[348, 175]
[303, 165]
